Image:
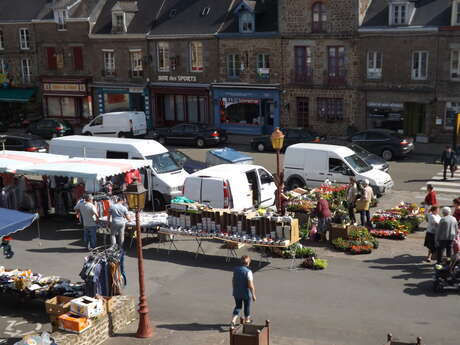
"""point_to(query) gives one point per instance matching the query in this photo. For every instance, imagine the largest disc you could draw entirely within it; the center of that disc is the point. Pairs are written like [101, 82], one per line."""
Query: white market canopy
[11, 161]
[89, 168]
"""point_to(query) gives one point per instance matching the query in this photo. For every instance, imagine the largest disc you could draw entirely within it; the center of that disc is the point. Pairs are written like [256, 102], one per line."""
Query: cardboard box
[58, 305]
[73, 323]
[87, 306]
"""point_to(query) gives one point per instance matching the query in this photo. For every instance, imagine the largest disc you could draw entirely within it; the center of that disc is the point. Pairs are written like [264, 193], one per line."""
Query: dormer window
[60, 15]
[119, 22]
[455, 17]
[401, 12]
[205, 11]
[246, 22]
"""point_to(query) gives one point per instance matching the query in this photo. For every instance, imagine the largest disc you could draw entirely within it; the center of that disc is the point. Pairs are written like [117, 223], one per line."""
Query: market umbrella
[12, 221]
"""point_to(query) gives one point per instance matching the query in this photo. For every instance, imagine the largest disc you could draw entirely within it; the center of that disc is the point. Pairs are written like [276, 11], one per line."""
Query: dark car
[385, 143]
[370, 158]
[197, 134]
[50, 128]
[29, 143]
[291, 136]
[190, 165]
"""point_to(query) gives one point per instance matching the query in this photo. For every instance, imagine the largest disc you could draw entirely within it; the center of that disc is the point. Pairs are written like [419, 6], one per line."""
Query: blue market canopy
[13, 221]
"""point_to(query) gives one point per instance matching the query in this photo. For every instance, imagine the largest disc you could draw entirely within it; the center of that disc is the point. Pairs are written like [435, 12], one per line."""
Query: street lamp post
[135, 193]
[277, 139]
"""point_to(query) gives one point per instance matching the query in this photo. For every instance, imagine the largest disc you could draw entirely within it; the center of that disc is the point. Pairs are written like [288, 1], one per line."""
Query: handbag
[362, 204]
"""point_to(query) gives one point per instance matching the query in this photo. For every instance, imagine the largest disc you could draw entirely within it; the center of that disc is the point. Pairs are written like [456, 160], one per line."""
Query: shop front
[67, 98]
[177, 103]
[110, 98]
[385, 116]
[246, 110]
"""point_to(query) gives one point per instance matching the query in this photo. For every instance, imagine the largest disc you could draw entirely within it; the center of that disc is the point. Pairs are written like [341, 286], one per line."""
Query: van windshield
[163, 163]
[357, 164]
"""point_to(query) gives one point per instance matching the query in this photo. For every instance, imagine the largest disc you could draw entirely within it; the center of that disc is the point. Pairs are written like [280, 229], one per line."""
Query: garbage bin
[250, 334]
[227, 155]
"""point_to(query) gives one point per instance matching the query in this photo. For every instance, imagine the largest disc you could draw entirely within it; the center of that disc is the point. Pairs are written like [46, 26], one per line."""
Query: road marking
[448, 186]
[443, 183]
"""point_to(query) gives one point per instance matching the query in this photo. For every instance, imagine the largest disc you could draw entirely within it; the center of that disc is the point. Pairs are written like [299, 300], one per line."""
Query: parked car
[190, 134]
[234, 186]
[50, 128]
[29, 143]
[370, 158]
[292, 136]
[311, 164]
[385, 143]
[190, 165]
[3, 126]
[120, 124]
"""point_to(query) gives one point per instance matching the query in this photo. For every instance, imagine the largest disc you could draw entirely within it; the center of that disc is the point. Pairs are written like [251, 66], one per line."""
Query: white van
[311, 164]
[168, 176]
[234, 186]
[120, 124]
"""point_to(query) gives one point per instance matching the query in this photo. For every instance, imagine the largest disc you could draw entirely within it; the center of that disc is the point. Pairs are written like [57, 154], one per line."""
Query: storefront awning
[16, 94]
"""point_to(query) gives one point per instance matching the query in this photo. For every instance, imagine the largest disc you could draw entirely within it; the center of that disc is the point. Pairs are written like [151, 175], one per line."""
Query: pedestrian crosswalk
[445, 189]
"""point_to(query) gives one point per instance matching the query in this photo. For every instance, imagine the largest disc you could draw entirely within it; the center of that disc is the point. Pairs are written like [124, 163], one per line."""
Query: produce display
[396, 223]
[359, 241]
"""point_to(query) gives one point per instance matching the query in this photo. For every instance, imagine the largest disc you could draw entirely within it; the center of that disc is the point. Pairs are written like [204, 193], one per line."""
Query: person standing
[324, 214]
[456, 209]
[449, 160]
[430, 198]
[118, 215]
[433, 223]
[367, 196]
[352, 194]
[244, 291]
[445, 234]
[87, 212]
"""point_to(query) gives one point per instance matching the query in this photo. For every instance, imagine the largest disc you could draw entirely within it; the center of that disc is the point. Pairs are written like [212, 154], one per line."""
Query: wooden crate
[295, 231]
[338, 230]
[250, 334]
[58, 305]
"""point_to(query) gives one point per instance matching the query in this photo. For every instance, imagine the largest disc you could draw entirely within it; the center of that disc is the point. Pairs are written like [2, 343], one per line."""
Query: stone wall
[248, 49]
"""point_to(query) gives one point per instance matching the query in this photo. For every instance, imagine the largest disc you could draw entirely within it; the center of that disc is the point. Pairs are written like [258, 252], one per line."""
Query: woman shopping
[430, 199]
[363, 204]
[352, 194]
[433, 223]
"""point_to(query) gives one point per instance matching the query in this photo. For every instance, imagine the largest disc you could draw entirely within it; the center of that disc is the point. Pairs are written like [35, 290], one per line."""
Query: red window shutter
[78, 58]
[52, 59]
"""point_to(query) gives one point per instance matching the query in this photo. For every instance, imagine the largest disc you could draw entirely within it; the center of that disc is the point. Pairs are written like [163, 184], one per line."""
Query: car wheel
[260, 147]
[387, 154]
[162, 140]
[295, 183]
[158, 202]
[87, 133]
[200, 142]
[437, 287]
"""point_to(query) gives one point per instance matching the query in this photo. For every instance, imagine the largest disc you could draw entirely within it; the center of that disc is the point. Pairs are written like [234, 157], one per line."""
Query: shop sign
[136, 90]
[182, 78]
[385, 105]
[64, 87]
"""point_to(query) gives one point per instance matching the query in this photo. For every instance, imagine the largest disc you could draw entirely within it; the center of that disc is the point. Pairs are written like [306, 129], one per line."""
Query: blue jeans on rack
[89, 235]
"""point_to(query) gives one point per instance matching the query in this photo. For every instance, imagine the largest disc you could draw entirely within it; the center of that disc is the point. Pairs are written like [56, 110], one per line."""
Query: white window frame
[417, 71]
[109, 62]
[196, 57]
[233, 67]
[246, 22]
[136, 62]
[163, 63]
[455, 70]
[24, 38]
[2, 41]
[396, 13]
[26, 72]
[120, 27]
[374, 71]
[263, 60]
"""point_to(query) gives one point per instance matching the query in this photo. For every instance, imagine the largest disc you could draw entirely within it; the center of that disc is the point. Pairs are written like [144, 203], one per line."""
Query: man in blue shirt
[243, 290]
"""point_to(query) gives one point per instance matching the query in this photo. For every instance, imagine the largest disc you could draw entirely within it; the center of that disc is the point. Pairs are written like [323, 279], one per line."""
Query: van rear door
[206, 190]
[139, 123]
[192, 188]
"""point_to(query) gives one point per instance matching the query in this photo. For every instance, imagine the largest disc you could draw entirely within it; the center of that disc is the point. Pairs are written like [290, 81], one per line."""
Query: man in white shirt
[89, 216]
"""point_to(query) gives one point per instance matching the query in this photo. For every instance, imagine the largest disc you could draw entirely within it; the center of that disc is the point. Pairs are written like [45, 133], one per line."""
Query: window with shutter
[52, 59]
[78, 58]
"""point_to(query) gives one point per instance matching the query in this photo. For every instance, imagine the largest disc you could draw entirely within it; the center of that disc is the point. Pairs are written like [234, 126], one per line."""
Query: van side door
[96, 127]
[315, 168]
[267, 188]
[338, 171]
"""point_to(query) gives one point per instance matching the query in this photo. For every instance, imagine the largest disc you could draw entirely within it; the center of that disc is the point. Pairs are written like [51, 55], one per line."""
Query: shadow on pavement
[425, 288]
[187, 258]
[195, 327]
[59, 250]
[51, 228]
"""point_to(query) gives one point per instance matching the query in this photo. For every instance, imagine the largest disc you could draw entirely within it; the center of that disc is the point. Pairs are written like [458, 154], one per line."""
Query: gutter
[400, 29]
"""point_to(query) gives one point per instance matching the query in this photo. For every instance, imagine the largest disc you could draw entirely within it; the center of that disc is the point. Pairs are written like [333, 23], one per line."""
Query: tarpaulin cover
[89, 168]
[13, 221]
[10, 161]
